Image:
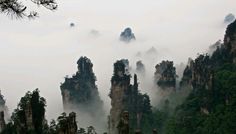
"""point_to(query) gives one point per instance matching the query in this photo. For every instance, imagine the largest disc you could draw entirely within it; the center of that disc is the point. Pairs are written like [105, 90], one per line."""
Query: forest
[201, 99]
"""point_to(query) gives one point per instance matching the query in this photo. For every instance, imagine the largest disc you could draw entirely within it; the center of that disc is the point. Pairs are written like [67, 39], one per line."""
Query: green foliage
[38, 111]
[30, 108]
[168, 74]
[90, 130]
[10, 128]
[139, 107]
[219, 101]
[81, 90]
[231, 30]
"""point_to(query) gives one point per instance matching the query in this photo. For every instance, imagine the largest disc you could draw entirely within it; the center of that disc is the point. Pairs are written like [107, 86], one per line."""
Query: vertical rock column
[119, 85]
[80, 92]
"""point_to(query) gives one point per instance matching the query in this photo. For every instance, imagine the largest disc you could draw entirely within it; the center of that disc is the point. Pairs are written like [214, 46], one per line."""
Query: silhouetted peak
[127, 35]
[119, 68]
[230, 33]
[140, 68]
[84, 65]
[72, 24]
[229, 18]
[152, 50]
[80, 92]
[216, 44]
[2, 100]
[166, 74]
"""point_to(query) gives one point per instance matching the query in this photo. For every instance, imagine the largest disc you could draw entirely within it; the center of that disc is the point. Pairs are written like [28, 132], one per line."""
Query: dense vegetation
[220, 101]
[29, 118]
[210, 108]
[29, 115]
[80, 92]
[138, 104]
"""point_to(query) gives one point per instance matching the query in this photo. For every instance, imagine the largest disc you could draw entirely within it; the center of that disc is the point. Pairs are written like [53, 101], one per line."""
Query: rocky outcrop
[80, 92]
[214, 47]
[200, 72]
[123, 126]
[140, 68]
[127, 66]
[2, 103]
[165, 75]
[226, 52]
[2, 121]
[3, 106]
[229, 18]
[213, 80]
[126, 97]
[187, 74]
[127, 35]
[29, 117]
[230, 41]
[120, 83]
[67, 124]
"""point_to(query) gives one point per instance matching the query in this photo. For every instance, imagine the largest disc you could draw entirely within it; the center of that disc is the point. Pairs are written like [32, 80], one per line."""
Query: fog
[40, 53]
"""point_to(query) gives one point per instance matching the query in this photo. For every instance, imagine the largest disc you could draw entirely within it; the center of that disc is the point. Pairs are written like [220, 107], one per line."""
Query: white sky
[39, 53]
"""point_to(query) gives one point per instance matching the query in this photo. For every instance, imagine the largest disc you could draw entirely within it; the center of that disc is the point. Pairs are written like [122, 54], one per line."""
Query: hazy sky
[39, 53]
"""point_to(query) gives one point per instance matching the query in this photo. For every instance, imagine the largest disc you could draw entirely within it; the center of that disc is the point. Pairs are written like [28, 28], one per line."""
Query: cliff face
[123, 126]
[2, 121]
[229, 18]
[212, 99]
[200, 72]
[2, 103]
[80, 92]
[67, 124]
[3, 112]
[140, 68]
[230, 40]
[127, 66]
[199, 76]
[226, 52]
[126, 97]
[120, 83]
[187, 74]
[165, 75]
[29, 117]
